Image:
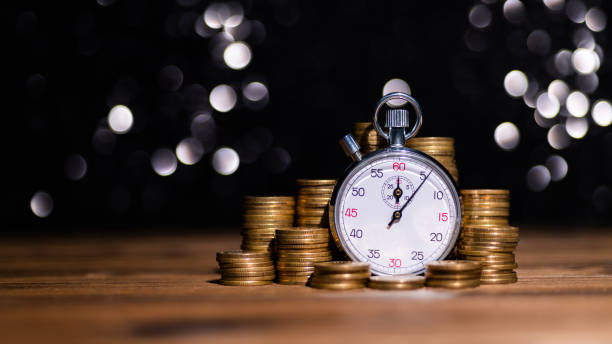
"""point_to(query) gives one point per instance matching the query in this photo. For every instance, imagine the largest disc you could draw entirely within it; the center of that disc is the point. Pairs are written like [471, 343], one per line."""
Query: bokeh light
[103, 141]
[75, 167]
[507, 136]
[595, 19]
[547, 106]
[514, 11]
[558, 89]
[563, 62]
[577, 104]
[585, 61]
[558, 137]
[163, 162]
[225, 161]
[170, 78]
[516, 83]
[538, 178]
[587, 83]
[189, 151]
[602, 113]
[577, 127]
[237, 55]
[120, 119]
[557, 166]
[576, 11]
[223, 98]
[41, 204]
[554, 5]
[396, 85]
[480, 16]
[538, 42]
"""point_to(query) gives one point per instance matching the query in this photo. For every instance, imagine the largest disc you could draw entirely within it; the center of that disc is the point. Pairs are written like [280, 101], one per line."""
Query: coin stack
[241, 268]
[262, 216]
[298, 250]
[440, 148]
[340, 275]
[396, 282]
[313, 202]
[486, 236]
[453, 274]
[367, 137]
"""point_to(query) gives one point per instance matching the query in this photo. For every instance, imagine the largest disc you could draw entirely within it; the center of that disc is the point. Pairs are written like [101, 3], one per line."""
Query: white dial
[416, 220]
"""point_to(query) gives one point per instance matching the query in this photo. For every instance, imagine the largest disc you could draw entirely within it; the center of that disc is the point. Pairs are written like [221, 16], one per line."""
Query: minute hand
[394, 216]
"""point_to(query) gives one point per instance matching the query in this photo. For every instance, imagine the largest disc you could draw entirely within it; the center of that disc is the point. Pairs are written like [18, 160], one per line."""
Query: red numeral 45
[351, 212]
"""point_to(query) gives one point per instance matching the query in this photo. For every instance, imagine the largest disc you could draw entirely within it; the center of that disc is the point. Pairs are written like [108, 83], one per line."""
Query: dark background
[324, 64]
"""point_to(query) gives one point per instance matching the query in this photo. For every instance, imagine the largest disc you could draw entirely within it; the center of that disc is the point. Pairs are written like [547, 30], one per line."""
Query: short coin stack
[396, 282]
[486, 236]
[340, 275]
[313, 202]
[440, 148]
[262, 216]
[298, 250]
[453, 274]
[240, 268]
[367, 137]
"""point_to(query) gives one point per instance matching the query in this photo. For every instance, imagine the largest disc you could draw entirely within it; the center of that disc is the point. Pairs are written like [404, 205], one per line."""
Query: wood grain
[161, 289]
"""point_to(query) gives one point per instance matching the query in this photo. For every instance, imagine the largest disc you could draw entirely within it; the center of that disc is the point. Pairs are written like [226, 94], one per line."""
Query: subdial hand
[397, 193]
[398, 213]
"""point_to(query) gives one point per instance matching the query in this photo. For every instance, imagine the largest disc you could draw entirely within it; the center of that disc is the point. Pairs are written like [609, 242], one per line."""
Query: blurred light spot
[41, 204]
[558, 89]
[258, 32]
[514, 11]
[225, 161]
[105, 3]
[203, 128]
[240, 32]
[563, 62]
[516, 83]
[396, 85]
[577, 127]
[163, 162]
[585, 61]
[189, 151]
[595, 19]
[557, 167]
[237, 55]
[583, 38]
[201, 29]
[255, 91]
[216, 14]
[531, 95]
[541, 121]
[577, 104]
[480, 16]
[75, 167]
[538, 178]
[602, 198]
[554, 5]
[557, 137]
[547, 106]
[587, 83]
[103, 141]
[576, 11]
[277, 160]
[170, 78]
[235, 17]
[120, 119]
[507, 136]
[602, 113]
[538, 42]
[222, 98]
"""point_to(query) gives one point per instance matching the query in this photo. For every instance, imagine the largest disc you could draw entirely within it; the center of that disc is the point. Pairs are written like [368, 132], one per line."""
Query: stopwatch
[395, 208]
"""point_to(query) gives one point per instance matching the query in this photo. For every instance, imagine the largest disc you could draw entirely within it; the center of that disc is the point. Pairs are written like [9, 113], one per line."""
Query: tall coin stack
[440, 148]
[486, 236]
[298, 250]
[240, 268]
[367, 137]
[453, 274]
[312, 202]
[262, 216]
[340, 275]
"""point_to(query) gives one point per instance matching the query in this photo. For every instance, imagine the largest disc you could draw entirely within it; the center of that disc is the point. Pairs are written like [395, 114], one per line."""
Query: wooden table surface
[157, 289]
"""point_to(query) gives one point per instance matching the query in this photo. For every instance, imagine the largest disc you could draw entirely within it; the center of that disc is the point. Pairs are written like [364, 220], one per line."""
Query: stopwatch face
[397, 210]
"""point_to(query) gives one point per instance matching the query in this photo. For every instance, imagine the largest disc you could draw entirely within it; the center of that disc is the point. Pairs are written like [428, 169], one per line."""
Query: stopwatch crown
[396, 118]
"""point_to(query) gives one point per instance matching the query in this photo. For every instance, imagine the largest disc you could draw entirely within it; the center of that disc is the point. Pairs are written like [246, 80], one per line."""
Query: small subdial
[396, 191]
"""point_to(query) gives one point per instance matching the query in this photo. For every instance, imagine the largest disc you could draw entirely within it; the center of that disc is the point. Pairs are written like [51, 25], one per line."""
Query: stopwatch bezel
[381, 154]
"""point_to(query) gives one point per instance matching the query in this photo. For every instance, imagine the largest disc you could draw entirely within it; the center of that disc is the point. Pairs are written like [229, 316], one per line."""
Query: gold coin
[291, 281]
[319, 259]
[295, 269]
[342, 267]
[275, 225]
[493, 258]
[311, 211]
[331, 277]
[231, 260]
[472, 192]
[240, 254]
[452, 276]
[294, 264]
[294, 273]
[245, 265]
[301, 246]
[269, 277]
[396, 282]
[266, 268]
[244, 283]
[500, 266]
[303, 231]
[315, 182]
[453, 284]
[453, 265]
[486, 212]
[337, 286]
[491, 229]
[489, 238]
[464, 249]
[315, 252]
[264, 199]
[286, 236]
